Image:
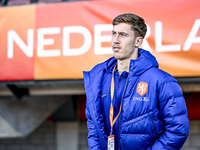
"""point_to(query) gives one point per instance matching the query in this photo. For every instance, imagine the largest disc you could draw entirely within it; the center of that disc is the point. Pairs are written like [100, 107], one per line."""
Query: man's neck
[123, 65]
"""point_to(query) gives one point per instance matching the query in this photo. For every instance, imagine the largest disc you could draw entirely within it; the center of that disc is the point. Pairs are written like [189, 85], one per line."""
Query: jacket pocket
[138, 131]
[157, 124]
[140, 125]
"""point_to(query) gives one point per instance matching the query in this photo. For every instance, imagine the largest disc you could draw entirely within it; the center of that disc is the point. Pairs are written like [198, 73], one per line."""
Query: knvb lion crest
[142, 88]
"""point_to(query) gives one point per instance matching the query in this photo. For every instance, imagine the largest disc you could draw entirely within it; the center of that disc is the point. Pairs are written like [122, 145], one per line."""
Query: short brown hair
[137, 23]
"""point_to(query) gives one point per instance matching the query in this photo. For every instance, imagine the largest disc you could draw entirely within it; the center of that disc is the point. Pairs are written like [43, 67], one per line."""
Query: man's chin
[118, 57]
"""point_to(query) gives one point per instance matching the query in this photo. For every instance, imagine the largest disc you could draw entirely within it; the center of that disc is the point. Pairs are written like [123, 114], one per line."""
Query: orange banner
[16, 56]
[59, 41]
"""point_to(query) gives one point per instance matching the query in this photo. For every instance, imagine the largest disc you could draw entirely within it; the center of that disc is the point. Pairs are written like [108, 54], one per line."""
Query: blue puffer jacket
[156, 120]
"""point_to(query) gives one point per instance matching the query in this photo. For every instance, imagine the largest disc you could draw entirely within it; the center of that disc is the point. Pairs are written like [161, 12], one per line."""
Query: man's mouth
[116, 48]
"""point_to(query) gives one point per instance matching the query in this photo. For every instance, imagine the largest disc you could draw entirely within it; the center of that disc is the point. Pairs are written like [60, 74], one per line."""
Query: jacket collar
[145, 61]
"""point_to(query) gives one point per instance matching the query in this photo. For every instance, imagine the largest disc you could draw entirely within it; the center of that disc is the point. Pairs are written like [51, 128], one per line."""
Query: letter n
[27, 49]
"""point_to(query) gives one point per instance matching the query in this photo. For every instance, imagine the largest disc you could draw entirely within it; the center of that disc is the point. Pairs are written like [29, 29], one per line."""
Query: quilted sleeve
[173, 113]
[93, 139]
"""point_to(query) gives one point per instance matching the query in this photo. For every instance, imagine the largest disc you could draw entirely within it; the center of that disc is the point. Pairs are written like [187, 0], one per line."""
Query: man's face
[123, 41]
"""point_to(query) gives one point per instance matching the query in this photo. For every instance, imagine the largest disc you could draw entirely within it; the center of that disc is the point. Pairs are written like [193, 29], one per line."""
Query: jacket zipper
[121, 115]
[122, 105]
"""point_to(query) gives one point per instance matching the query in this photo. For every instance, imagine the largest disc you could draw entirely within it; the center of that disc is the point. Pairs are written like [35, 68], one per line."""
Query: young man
[131, 104]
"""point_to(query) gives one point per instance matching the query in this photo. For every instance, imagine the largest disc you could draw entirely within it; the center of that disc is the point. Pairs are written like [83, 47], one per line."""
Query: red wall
[193, 103]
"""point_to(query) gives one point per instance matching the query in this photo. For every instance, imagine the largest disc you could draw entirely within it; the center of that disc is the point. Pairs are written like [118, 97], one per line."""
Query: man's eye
[113, 33]
[123, 34]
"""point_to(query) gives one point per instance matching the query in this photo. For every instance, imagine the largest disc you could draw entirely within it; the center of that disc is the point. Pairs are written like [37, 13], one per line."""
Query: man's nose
[115, 39]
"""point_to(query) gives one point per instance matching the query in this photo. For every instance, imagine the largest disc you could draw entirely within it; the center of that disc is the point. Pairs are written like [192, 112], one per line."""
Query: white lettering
[41, 42]
[145, 99]
[158, 40]
[27, 49]
[66, 40]
[98, 39]
[192, 36]
[140, 99]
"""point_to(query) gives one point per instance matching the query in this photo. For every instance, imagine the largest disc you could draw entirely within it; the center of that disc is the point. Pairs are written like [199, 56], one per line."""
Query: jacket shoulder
[161, 75]
[100, 67]
[94, 71]
[166, 84]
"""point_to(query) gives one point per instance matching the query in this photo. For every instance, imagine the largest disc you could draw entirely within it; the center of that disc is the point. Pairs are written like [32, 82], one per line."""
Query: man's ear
[138, 41]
